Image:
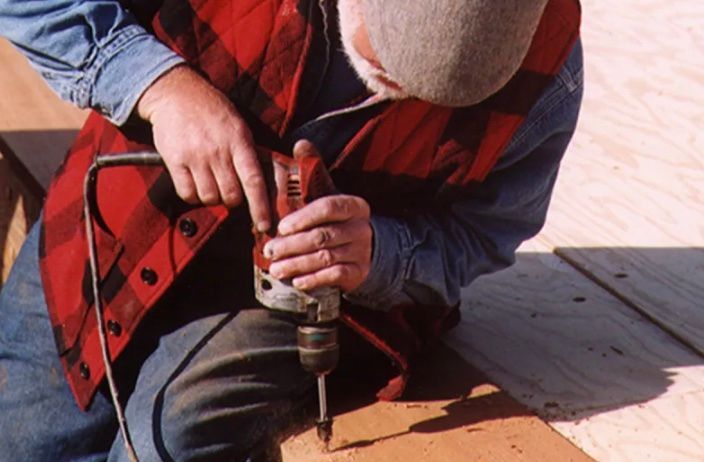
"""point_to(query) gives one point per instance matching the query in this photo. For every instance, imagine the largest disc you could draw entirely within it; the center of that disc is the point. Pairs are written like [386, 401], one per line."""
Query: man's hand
[205, 144]
[326, 243]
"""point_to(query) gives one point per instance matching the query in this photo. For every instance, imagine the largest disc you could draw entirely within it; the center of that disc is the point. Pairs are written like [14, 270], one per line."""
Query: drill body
[293, 183]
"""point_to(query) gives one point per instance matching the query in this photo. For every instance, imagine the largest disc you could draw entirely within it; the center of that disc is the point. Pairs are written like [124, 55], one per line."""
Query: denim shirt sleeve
[92, 53]
[427, 259]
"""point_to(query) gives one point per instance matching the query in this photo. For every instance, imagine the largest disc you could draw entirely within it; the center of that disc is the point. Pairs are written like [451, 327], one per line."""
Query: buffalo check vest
[255, 51]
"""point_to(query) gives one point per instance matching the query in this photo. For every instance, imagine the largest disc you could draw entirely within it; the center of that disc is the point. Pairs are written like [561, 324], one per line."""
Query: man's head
[448, 52]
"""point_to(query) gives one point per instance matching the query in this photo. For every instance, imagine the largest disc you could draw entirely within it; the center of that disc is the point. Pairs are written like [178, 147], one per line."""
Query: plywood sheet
[453, 414]
[665, 284]
[35, 126]
[581, 359]
[668, 429]
[629, 205]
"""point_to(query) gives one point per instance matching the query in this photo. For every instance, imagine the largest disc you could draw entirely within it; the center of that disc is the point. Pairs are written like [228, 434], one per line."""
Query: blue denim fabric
[208, 383]
[39, 419]
[92, 53]
[429, 258]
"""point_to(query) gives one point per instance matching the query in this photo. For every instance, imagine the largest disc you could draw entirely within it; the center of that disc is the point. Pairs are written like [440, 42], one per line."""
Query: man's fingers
[327, 209]
[345, 276]
[206, 186]
[252, 181]
[322, 237]
[314, 261]
[197, 128]
[184, 185]
[228, 184]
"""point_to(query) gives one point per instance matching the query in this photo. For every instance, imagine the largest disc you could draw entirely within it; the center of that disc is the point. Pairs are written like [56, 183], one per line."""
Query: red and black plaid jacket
[255, 52]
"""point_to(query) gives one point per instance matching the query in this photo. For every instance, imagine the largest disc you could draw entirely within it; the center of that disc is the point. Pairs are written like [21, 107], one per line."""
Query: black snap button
[115, 328]
[188, 227]
[84, 370]
[149, 276]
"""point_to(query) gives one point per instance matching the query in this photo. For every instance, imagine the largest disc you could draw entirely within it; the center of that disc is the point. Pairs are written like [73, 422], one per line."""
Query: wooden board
[36, 128]
[19, 208]
[668, 429]
[582, 360]
[629, 205]
[665, 284]
[452, 414]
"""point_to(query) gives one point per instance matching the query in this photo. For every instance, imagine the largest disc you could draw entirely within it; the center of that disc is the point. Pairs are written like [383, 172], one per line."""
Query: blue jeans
[203, 383]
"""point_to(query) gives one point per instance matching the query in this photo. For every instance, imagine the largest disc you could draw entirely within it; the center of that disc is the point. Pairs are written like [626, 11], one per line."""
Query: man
[444, 137]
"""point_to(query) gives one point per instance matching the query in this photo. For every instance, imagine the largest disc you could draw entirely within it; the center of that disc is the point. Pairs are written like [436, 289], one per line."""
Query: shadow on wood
[450, 411]
[19, 208]
[569, 347]
[36, 154]
[23, 181]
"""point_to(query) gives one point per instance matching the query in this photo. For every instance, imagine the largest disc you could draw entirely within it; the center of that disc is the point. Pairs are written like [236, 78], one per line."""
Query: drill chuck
[318, 348]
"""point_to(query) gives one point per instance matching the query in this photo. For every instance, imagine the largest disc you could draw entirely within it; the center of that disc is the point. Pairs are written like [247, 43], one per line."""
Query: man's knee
[228, 394]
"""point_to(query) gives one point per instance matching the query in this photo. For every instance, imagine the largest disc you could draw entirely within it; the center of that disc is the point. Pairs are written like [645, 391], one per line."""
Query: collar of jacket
[425, 154]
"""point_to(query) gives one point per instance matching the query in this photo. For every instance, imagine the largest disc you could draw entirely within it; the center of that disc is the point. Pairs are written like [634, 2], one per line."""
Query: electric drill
[293, 183]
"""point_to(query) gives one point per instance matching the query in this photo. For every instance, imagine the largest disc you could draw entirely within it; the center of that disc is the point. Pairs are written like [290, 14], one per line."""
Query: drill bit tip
[324, 427]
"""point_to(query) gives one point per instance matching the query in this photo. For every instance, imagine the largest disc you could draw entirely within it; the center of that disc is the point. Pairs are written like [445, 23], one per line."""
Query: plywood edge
[579, 357]
[621, 295]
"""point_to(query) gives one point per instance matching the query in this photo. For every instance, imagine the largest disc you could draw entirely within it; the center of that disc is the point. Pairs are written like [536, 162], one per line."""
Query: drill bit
[324, 422]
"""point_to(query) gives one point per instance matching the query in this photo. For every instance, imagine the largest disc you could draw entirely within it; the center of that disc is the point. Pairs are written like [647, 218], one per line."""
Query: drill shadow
[462, 412]
[443, 381]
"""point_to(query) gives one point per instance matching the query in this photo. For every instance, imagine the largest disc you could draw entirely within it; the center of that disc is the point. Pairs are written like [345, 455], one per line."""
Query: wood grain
[581, 359]
[629, 200]
[664, 284]
[668, 429]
